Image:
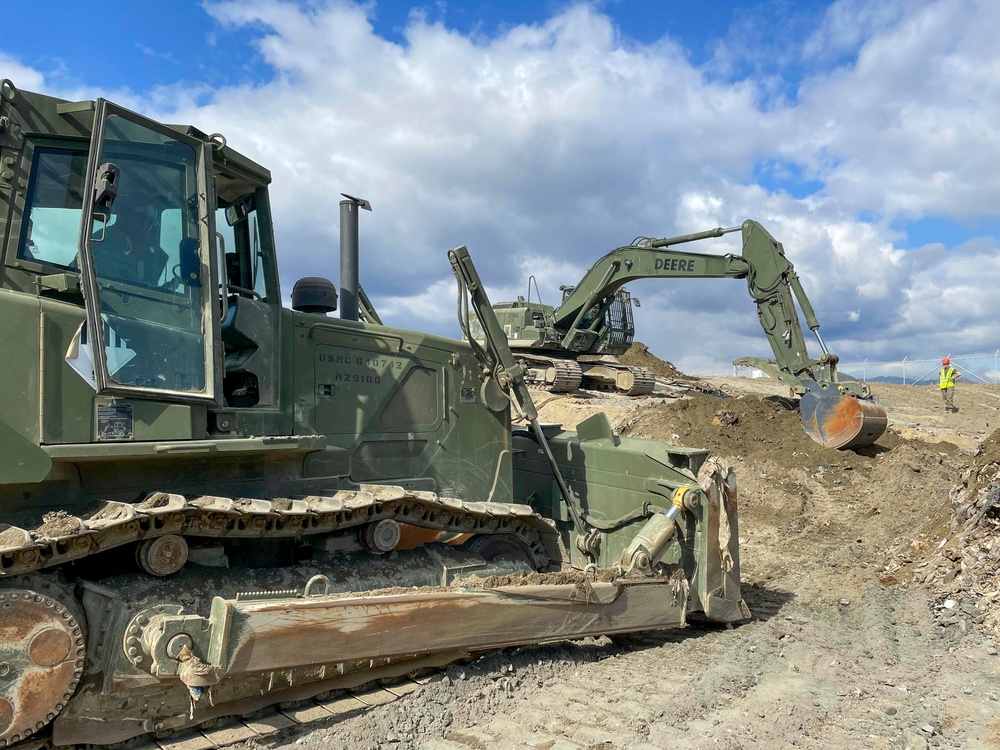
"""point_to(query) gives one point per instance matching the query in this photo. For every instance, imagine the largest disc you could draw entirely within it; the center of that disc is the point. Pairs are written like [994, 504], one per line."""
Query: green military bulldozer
[211, 504]
[578, 341]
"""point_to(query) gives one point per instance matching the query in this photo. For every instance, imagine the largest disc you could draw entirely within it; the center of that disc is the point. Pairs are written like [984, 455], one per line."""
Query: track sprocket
[41, 659]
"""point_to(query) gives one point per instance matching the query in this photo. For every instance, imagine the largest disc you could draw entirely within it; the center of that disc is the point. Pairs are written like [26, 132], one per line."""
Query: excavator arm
[837, 414]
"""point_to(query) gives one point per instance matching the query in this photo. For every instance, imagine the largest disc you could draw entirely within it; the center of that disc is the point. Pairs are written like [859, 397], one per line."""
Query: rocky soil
[872, 574]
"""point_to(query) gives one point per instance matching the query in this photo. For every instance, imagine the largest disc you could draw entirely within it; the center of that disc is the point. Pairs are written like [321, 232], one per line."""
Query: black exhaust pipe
[349, 255]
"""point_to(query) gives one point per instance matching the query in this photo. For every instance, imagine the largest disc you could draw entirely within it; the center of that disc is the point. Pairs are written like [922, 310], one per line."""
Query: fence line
[983, 367]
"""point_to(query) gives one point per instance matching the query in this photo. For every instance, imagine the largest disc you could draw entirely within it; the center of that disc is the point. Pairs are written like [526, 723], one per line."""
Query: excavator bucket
[838, 421]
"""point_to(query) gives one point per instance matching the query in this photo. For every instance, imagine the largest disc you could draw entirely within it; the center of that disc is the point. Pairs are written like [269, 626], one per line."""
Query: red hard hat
[945, 361]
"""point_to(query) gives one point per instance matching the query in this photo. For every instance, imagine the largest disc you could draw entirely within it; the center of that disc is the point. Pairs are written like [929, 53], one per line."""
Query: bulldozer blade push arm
[511, 377]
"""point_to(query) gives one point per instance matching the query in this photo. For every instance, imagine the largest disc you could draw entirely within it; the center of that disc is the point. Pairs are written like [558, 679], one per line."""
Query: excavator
[212, 505]
[578, 341]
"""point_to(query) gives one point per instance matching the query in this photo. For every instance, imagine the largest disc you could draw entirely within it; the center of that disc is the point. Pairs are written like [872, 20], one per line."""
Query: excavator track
[643, 381]
[555, 375]
[62, 538]
[607, 374]
[551, 374]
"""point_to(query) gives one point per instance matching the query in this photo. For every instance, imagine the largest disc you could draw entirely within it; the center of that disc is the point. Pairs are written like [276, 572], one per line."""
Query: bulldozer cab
[173, 258]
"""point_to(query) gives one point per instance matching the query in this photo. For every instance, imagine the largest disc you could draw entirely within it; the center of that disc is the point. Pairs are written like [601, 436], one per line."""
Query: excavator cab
[609, 321]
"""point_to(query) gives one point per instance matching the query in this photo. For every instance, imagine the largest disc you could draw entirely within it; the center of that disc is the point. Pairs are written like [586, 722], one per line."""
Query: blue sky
[861, 132]
[157, 42]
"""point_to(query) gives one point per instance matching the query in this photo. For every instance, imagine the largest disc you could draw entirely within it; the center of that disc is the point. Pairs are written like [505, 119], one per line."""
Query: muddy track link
[62, 538]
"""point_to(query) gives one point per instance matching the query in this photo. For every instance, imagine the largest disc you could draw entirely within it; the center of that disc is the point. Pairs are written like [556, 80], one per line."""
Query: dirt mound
[983, 467]
[639, 355]
[747, 427]
[815, 520]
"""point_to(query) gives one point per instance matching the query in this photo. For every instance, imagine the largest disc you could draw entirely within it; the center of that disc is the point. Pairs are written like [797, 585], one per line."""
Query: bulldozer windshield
[144, 245]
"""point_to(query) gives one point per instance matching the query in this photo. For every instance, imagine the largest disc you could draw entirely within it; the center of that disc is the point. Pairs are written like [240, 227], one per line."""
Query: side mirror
[105, 192]
[236, 213]
[106, 186]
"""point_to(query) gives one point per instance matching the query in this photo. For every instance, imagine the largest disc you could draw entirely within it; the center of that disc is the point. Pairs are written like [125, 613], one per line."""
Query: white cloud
[909, 128]
[849, 23]
[547, 145]
[22, 75]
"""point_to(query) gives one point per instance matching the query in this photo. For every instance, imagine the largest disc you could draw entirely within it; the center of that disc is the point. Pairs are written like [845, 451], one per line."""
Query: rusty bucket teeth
[838, 421]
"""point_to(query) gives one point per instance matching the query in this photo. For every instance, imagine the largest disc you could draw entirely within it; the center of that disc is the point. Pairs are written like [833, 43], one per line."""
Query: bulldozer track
[63, 538]
[322, 709]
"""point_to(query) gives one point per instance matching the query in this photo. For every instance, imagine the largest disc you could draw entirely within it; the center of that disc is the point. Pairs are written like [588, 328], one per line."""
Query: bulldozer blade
[263, 651]
[838, 421]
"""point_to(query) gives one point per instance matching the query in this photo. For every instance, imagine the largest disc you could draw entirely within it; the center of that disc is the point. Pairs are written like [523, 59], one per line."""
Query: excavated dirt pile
[640, 356]
[975, 557]
[676, 382]
[748, 427]
[809, 507]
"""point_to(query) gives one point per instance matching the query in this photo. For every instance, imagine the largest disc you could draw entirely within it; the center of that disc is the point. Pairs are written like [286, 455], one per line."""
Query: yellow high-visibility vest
[946, 378]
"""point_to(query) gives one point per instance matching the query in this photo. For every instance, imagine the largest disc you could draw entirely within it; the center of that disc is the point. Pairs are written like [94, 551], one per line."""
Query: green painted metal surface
[155, 394]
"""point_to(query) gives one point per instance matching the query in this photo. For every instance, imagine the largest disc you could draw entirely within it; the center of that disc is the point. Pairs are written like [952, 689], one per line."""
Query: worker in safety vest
[946, 379]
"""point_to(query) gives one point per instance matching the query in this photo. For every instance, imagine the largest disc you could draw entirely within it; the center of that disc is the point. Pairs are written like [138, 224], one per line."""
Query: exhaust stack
[349, 255]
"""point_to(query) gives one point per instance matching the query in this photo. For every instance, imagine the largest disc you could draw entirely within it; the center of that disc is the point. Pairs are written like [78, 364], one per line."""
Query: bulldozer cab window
[50, 234]
[237, 223]
[250, 327]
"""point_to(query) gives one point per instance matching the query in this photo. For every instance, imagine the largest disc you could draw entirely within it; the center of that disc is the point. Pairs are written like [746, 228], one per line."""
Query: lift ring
[7, 89]
[317, 580]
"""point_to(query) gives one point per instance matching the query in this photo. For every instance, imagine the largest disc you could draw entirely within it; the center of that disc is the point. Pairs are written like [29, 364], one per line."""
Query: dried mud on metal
[872, 575]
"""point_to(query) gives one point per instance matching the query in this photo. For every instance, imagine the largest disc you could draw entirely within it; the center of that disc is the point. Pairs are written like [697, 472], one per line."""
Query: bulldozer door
[146, 239]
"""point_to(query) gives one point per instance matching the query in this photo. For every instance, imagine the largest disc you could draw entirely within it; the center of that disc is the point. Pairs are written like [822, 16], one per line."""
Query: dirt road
[847, 648]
